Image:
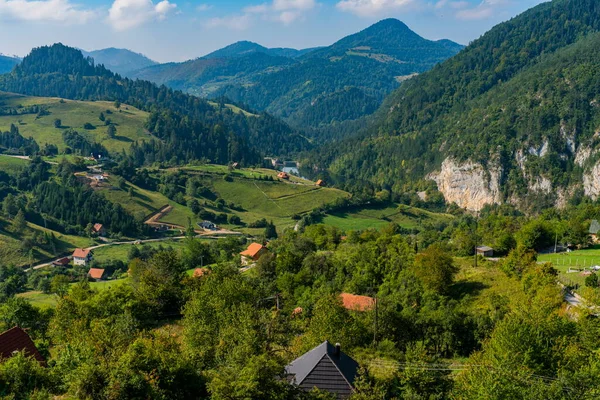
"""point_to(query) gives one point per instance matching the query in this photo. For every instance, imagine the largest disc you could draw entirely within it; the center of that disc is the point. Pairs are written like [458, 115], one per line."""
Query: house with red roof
[200, 272]
[355, 302]
[62, 262]
[82, 256]
[99, 229]
[96, 273]
[320, 183]
[16, 340]
[252, 253]
[283, 175]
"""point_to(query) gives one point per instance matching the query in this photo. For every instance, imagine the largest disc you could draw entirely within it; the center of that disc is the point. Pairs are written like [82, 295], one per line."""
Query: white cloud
[44, 11]
[204, 7]
[234, 22]
[285, 5]
[485, 9]
[127, 14]
[372, 8]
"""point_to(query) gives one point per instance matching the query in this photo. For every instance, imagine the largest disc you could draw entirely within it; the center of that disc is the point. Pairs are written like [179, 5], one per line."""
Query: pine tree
[19, 223]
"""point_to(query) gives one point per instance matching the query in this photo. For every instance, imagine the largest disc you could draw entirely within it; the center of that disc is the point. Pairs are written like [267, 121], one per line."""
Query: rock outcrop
[468, 184]
[591, 182]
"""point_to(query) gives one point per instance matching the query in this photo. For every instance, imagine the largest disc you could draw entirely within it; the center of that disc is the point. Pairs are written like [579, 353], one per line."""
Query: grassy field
[575, 261]
[12, 164]
[378, 217]
[120, 252]
[11, 245]
[128, 120]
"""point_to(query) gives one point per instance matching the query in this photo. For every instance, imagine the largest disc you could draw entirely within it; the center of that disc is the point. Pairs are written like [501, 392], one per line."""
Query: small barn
[96, 274]
[326, 368]
[283, 175]
[61, 262]
[485, 251]
[99, 229]
[320, 183]
[16, 340]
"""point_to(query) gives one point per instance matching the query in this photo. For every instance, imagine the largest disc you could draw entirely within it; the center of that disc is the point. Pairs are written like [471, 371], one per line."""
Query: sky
[178, 30]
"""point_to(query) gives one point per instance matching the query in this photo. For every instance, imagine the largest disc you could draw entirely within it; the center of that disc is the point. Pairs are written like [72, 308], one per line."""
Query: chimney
[337, 351]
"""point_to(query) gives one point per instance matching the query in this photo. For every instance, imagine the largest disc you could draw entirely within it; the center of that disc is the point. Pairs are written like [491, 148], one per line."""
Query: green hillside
[129, 121]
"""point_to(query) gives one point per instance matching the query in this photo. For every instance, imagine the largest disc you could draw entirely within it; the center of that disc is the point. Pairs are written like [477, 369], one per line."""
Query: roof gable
[96, 273]
[81, 253]
[253, 250]
[303, 366]
[15, 340]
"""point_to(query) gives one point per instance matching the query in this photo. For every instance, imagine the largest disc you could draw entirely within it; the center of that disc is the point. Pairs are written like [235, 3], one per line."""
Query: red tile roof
[15, 340]
[97, 227]
[320, 182]
[62, 261]
[81, 253]
[357, 303]
[253, 250]
[199, 272]
[96, 273]
[283, 175]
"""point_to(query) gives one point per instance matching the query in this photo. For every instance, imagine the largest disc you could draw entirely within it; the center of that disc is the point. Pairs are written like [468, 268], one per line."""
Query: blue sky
[177, 30]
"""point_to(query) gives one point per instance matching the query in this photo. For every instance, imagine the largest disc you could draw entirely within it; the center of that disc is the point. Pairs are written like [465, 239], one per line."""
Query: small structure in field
[252, 253]
[283, 175]
[235, 165]
[326, 368]
[99, 230]
[208, 225]
[82, 256]
[16, 340]
[96, 273]
[355, 302]
[62, 262]
[320, 183]
[485, 251]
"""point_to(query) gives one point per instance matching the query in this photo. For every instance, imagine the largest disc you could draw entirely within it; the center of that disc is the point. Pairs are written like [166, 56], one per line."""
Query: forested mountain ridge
[311, 90]
[189, 127]
[243, 48]
[120, 61]
[7, 63]
[513, 113]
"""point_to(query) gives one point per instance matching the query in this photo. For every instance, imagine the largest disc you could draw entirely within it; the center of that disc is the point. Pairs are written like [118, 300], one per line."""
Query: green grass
[575, 260]
[74, 114]
[235, 109]
[12, 164]
[378, 217]
[120, 252]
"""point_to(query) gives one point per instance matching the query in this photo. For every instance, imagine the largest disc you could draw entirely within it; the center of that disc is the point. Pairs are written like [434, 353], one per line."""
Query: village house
[99, 230]
[96, 274]
[593, 231]
[283, 175]
[16, 340]
[485, 251]
[320, 183]
[252, 253]
[326, 368]
[82, 256]
[355, 302]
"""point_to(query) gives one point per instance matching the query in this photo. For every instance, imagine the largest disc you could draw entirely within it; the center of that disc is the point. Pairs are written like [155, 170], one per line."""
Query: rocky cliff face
[468, 184]
[591, 182]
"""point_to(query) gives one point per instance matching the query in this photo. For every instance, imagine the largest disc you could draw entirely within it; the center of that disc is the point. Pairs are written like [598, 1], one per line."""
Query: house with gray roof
[326, 368]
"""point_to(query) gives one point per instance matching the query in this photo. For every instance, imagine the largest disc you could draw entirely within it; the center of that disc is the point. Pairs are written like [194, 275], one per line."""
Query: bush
[88, 126]
[592, 281]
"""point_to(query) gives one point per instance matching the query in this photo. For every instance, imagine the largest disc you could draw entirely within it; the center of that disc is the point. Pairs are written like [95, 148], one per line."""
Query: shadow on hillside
[123, 139]
[463, 288]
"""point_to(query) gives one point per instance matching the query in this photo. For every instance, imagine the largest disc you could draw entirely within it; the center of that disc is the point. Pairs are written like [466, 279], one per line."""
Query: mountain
[187, 127]
[120, 61]
[243, 48]
[7, 63]
[512, 118]
[311, 90]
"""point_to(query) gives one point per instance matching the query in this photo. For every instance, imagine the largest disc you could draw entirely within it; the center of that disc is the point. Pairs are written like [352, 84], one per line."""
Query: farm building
[283, 175]
[82, 256]
[200, 272]
[99, 229]
[61, 262]
[252, 253]
[16, 340]
[207, 225]
[96, 273]
[326, 368]
[594, 230]
[320, 183]
[355, 302]
[485, 251]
